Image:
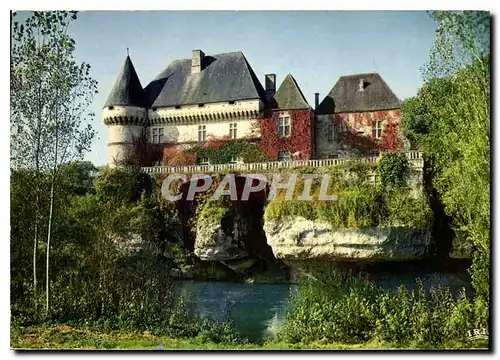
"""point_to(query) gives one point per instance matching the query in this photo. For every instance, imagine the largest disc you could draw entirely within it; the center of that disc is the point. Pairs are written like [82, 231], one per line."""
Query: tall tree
[50, 95]
[450, 119]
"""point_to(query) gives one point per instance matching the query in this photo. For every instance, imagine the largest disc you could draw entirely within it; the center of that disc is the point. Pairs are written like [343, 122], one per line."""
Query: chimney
[197, 61]
[316, 100]
[361, 85]
[271, 83]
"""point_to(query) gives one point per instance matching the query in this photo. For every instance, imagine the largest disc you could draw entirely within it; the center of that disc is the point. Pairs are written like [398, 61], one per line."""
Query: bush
[393, 169]
[334, 307]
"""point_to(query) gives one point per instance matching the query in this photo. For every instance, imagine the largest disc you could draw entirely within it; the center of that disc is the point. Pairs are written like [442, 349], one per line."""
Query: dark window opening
[284, 156]
[178, 107]
[111, 107]
[231, 102]
[154, 109]
[201, 105]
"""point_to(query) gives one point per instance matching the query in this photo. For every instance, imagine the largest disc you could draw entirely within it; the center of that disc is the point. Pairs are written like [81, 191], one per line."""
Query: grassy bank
[66, 337]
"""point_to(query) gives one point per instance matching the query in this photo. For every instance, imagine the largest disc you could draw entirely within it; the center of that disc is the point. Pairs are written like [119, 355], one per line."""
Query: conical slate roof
[127, 90]
[346, 97]
[289, 95]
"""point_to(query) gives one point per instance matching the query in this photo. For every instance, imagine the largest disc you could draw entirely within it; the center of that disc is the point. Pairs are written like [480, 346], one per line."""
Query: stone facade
[183, 125]
[126, 124]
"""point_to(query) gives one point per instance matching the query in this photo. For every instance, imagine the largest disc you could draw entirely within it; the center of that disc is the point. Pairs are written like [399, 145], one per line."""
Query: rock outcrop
[219, 240]
[298, 239]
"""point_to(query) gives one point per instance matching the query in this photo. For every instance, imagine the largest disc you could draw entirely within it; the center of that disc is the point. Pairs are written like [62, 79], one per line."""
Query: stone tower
[125, 114]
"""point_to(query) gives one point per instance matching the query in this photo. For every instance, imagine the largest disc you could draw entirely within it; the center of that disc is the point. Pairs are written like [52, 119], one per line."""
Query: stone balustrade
[415, 159]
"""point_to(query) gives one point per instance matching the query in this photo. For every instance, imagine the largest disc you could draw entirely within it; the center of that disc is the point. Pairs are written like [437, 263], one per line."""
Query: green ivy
[244, 149]
[393, 169]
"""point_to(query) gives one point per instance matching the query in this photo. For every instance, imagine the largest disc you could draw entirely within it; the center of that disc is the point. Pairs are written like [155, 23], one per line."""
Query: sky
[316, 47]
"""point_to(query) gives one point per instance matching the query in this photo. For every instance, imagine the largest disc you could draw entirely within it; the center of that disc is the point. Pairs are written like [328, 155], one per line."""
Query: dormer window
[178, 107]
[231, 102]
[201, 105]
[361, 85]
[111, 107]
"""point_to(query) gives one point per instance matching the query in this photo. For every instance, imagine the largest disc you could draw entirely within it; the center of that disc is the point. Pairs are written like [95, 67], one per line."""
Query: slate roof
[345, 97]
[127, 90]
[289, 95]
[224, 77]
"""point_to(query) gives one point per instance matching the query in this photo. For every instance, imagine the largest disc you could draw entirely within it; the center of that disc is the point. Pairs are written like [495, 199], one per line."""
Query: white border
[184, 5]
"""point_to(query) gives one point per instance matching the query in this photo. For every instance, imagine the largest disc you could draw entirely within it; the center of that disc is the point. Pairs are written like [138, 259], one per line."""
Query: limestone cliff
[294, 238]
[220, 238]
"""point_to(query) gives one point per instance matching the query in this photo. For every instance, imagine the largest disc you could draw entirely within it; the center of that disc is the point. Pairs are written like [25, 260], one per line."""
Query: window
[231, 102]
[155, 135]
[284, 126]
[377, 129]
[232, 130]
[336, 132]
[284, 156]
[204, 161]
[333, 132]
[111, 107]
[202, 133]
[201, 105]
[158, 136]
[178, 107]
[154, 109]
[333, 156]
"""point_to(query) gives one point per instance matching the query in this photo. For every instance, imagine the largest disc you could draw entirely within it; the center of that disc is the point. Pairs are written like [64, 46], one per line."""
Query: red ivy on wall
[390, 140]
[144, 153]
[300, 140]
[173, 155]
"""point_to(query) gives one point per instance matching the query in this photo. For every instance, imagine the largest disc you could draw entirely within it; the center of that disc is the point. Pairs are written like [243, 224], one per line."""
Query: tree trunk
[37, 207]
[35, 247]
[47, 265]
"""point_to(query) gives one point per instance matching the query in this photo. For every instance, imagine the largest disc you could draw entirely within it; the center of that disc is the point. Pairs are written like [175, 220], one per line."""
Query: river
[258, 310]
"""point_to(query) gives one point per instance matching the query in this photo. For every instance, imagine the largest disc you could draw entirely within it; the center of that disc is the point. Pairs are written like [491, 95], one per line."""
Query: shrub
[335, 307]
[393, 169]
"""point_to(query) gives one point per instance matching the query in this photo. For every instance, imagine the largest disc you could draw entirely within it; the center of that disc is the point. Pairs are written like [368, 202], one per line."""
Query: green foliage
[212, 211]
[360, 207]
[221, 151]
[393, 169]
[50, 92]
[335, 307]
[450, 121]
[405, 209]
[111, 266]
[118, 185]
[78, 177]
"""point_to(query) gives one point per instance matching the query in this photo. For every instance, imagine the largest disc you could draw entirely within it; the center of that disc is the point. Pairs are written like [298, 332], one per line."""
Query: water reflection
[258, 310]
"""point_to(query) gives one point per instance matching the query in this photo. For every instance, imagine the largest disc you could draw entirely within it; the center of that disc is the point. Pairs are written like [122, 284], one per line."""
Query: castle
[220, 96]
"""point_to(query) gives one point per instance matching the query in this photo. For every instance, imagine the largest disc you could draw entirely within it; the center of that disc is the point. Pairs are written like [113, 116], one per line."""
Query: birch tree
[50, 96]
